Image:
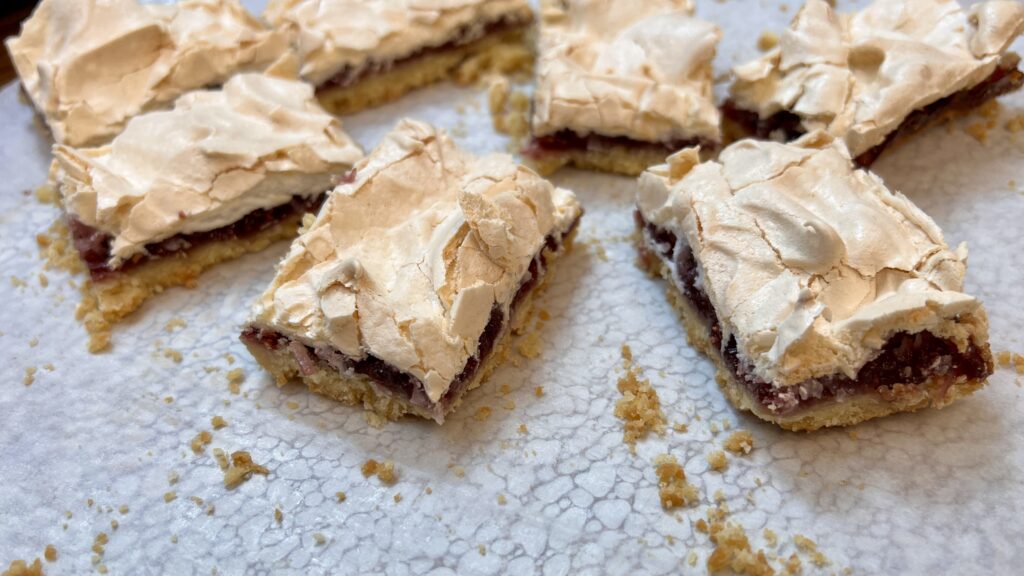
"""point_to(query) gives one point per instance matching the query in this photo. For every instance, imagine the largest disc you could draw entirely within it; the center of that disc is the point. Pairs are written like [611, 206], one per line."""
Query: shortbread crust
[90, 66]
[404, 310]
[805, 291]
[232, 171]
[872, 76]
[364, 53]
[620, 86]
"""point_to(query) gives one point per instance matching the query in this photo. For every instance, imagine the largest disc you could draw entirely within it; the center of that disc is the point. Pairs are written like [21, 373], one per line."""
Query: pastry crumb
[530, 346]
[47, 194]
[718, 461]
[732, 550]
[201, 441]
[222, 459]
[459, 471]
[767, 40]
[278, 515]
[50, 553]
[385, 471]
[43, 280]
[739, 442]
[174, 323]
[319, 538]
[218, 422]
[691, 558]
[374, 420]
[428, 490]
[509, 404]
[639, 408]
[30, 376]
[482, 414]
[502, 500]
[242, 468]
[22, 568]
[680, 427]
[978, 131]
[1015, 124]
[770, 537]
[170, 497]
[482, 550]
[673, 488]
[172, 477]
[398, 497]
[235, 379]
[173, 355]
[538, 391]
[123, 509]
[522, 429]
[810, 547]
[341, 496]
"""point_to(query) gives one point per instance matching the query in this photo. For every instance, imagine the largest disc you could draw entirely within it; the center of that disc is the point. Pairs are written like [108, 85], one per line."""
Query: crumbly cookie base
[109, 301]
[502, 52]
[615, 159]
[853, 410]
[359, 390]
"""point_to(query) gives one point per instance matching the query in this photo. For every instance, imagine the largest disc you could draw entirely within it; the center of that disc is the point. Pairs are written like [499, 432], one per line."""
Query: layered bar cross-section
[362, 53]
[402, 294]
[621, 85]
[89, 66]
[877, 76]
[224, 173]
[823, 298]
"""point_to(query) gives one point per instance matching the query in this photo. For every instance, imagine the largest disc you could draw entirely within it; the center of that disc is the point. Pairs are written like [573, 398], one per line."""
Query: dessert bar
[89, 66]
[875, 77]
[361, 53]
[402, 294]
[621, 85]
[224, 173]
[823, 298]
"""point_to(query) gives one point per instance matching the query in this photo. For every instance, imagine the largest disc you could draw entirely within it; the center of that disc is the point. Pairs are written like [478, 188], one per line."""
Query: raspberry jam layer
[568, 141]
[905, 359]
[94, 245]
[786, 126]
[464, 36]
[397, 382]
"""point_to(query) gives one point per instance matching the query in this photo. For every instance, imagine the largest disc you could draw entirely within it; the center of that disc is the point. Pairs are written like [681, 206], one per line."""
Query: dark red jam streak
[466, 34]
[94, 245]
[568, 141]
[400, 383]
[786, 126]
[905, 359]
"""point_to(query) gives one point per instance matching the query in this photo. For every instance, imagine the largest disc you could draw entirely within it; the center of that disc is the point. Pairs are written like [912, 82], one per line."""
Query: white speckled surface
[918, 494]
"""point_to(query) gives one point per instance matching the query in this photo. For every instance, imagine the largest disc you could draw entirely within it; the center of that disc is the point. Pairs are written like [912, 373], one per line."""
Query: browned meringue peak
[217, 156]
[858, 76]
[90, 65]
[642, 70]
[407, 262]
[810, 263]
[332, 35]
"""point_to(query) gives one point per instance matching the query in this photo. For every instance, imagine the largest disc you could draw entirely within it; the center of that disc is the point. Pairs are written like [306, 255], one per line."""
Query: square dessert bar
[361, 53]
[222, 174]
[823, 298]
[621, 85]
[400, 297]
[90, 65]
[877, 76]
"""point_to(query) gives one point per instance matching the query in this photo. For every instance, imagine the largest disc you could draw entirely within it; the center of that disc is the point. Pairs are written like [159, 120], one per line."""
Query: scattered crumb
[809, 547]
[732, 548]
[482, 414]
[508, 404]
[544, 315]
[217, 422]
[1015, 124]
[1004, 358]
[43, 280]
[49, 367]
[22, 568]
[172, 478]
[771, 537]
[374, 420]
[33, 342]
[319, 538]
[713, 427]
[168, 399]
[170, 496]
[691, 558]
[47, 194]
[114, 524]
[30, 376]
[278, 515]
[229, 357]
[221, 458]
[673, 488]
[201, 441]
[767, 40]
[50, 553]
[398, 497]
[502, 500]
[428, 490]
[196, 500]
[538, 391]
[482, 550]
[235, 379]
[639, 408]
[792, 565]
[740, 442]
[18, 282]
[523, 429]
[385, 471]
[680, 427]
[978, 131]
[459, 471]
[341, 496]
[174, 323]
[531, 346]
[173, 354]
[123, 509]
[717, 461]
[242, 468]
[292, 405]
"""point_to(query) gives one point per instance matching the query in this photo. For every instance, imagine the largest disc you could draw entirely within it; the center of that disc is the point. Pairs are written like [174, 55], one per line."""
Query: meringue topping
[642, 70]
[407, 262]
[858, 76]
[810, 264]
[332, 35]
[214, 158]
[90, 65]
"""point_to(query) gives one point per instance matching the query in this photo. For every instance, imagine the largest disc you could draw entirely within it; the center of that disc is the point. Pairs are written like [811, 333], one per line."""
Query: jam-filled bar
[89, 66]
[823, 298]
[400, 297]
[875, 77]
[362, 53]
[621, 85]
[224, 173]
